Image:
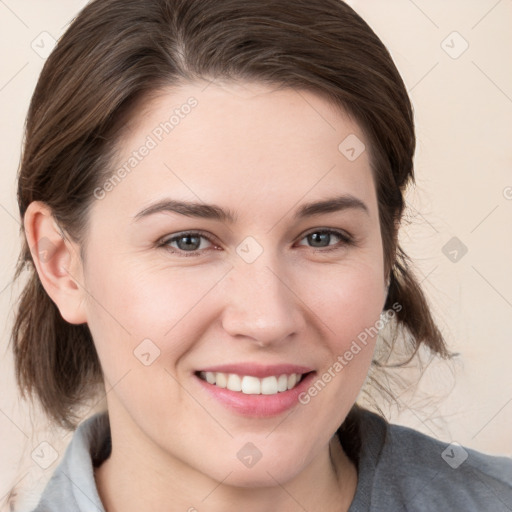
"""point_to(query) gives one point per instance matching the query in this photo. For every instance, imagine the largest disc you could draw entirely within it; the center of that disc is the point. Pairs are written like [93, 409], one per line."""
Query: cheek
[348, 299]
[131, 302]
[350, 305]
[350, 302]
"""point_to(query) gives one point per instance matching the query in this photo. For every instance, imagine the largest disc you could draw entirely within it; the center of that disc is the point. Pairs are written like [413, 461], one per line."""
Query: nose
[261, 304]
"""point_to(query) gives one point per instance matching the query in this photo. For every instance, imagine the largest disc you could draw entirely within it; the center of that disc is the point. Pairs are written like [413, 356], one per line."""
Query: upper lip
[258, 370]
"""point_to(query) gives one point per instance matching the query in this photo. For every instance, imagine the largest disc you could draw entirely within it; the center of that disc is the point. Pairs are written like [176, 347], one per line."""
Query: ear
[57, 261]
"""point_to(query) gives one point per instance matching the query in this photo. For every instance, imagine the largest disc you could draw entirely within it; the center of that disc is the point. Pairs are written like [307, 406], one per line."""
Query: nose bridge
[260, 305]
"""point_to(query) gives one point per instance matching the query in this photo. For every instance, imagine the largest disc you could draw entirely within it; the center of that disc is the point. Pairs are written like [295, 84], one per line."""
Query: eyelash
[346, 240]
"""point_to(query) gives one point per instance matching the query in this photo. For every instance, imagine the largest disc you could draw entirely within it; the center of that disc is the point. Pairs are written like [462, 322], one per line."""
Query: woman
[210, 194]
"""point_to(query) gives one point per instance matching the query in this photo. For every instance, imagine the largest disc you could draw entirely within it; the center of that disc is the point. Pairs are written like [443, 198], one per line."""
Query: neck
[136, 477]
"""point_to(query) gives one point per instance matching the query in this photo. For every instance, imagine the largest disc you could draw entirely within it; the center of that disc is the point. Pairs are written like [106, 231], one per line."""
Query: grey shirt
[399, 469]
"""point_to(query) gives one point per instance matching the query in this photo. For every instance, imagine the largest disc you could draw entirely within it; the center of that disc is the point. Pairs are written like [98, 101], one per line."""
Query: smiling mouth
[250, 385]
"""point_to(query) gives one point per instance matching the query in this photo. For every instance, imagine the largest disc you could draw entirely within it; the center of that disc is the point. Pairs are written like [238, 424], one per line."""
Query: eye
[192, 243]
[187, 242]
[322, 238]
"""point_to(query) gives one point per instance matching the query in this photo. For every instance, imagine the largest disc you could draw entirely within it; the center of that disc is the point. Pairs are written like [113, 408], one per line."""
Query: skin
[260, 152]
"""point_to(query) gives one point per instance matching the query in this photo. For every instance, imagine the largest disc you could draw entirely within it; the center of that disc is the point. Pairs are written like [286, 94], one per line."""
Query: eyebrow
[214, 212]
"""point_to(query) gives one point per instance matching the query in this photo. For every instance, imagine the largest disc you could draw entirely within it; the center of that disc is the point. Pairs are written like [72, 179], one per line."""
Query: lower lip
[258, 405]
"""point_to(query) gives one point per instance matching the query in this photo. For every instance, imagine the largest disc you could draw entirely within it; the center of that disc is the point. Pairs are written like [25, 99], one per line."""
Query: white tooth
[202, 375]
[269, 386]
[251, 385]
[221, 380]
[282, 383]
[234, 382]
[292, 380]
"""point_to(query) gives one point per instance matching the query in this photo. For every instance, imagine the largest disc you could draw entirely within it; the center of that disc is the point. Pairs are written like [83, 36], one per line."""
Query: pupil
[317, 238]
[191, 242]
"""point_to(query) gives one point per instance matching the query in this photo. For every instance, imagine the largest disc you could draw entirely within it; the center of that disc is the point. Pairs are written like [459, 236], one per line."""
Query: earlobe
[57, 261]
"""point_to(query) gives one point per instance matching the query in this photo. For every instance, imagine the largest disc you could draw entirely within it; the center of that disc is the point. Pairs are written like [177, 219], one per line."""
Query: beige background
[463, 109]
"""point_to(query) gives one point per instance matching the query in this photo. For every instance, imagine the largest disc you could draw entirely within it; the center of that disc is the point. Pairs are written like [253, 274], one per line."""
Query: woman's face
[242, 240]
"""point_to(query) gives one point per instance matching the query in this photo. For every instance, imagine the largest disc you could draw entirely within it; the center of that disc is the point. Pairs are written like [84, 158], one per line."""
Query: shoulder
[414, 471]
[72, 486]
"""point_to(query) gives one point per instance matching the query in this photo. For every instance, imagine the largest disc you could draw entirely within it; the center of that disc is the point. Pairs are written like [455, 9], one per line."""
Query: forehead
[251, 144]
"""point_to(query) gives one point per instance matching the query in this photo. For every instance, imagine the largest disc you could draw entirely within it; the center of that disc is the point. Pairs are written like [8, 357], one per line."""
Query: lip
[257, 406]
[257, 370]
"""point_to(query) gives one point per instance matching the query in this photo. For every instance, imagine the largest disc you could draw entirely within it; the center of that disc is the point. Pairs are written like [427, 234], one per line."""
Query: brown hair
[115, 54]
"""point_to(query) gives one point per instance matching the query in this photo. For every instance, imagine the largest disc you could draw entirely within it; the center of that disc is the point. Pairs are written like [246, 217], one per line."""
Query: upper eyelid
[169, 238]
[328, 230]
